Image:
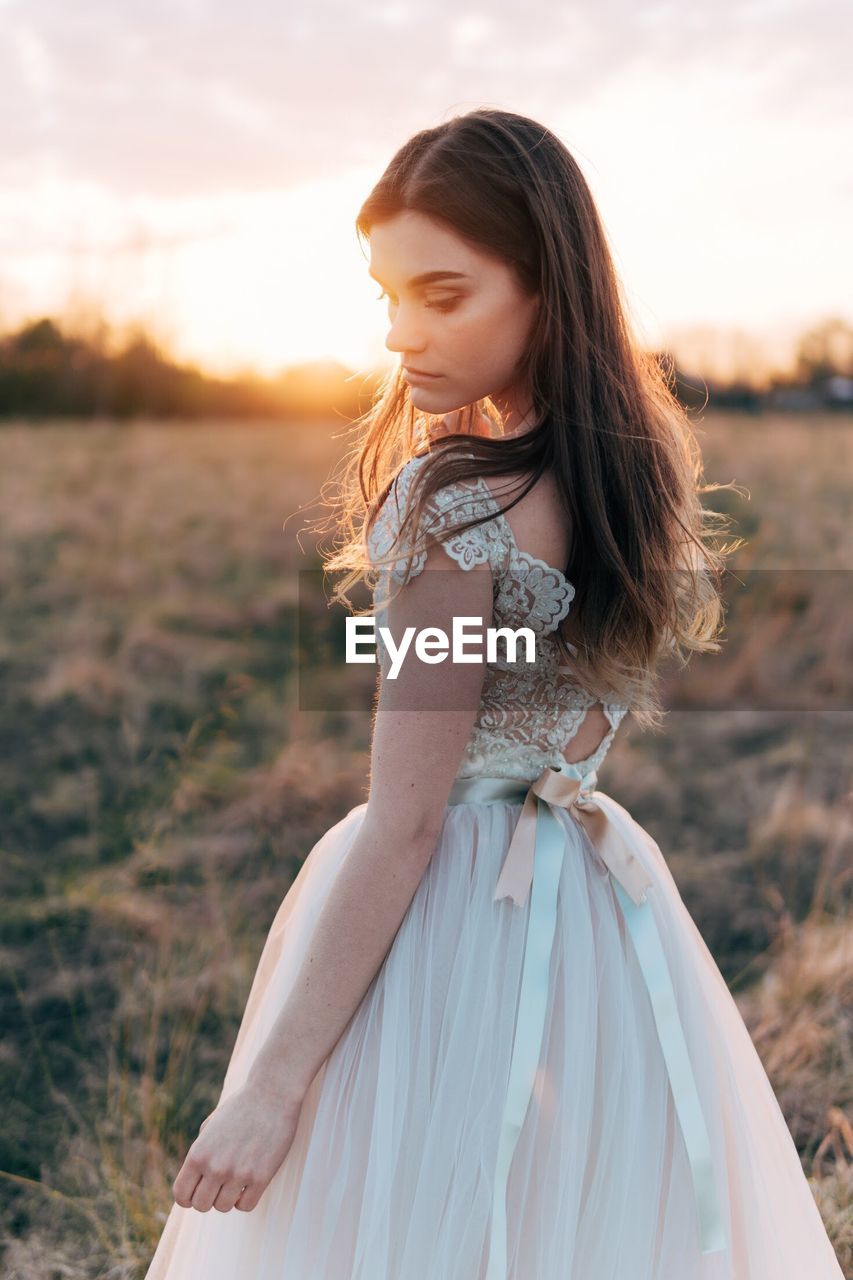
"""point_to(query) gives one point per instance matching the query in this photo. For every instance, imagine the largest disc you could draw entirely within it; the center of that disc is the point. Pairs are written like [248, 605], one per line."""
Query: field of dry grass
[161, 787]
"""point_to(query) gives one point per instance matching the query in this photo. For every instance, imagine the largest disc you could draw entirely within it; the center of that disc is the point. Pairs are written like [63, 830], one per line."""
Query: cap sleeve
[445, 510]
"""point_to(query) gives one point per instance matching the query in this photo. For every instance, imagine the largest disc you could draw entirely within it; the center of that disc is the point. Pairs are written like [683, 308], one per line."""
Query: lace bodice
[528, 712]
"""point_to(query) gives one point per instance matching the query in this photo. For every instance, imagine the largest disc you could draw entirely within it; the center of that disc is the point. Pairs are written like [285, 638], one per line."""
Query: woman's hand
[239, 1148]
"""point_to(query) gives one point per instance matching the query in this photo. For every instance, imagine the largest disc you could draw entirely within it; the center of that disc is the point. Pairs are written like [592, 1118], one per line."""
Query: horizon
[762, 370]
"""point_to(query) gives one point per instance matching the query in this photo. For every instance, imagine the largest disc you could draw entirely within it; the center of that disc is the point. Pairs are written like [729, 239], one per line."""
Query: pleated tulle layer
[391, 1173]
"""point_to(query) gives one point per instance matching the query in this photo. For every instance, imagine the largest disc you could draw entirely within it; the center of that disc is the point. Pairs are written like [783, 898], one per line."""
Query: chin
[430, 401]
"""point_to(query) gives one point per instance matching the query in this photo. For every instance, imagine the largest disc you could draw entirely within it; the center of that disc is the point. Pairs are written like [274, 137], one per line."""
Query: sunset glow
[712, 152]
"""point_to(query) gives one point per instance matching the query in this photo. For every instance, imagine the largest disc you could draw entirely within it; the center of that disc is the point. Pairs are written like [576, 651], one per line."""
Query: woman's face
[469, 331]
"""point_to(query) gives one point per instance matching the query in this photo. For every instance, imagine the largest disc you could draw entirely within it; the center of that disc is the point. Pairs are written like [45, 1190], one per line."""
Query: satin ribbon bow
[540, 839]
[557, 788]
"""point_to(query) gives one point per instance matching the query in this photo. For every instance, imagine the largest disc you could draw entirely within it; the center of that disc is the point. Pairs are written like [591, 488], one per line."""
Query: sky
[196, 167]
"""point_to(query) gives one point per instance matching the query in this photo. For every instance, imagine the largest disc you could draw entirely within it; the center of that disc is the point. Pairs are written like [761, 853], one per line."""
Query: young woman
[485, 1040]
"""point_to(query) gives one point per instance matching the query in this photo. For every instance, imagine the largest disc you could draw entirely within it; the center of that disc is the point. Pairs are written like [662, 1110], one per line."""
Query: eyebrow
[427, 277]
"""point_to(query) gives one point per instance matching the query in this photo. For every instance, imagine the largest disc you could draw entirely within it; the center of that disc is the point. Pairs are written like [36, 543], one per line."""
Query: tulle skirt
[391, 1175]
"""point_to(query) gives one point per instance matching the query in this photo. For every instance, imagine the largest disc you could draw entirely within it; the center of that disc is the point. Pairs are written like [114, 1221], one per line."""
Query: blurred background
[187, 326]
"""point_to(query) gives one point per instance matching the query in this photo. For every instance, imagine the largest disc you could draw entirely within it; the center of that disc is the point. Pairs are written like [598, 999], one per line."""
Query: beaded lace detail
[528, 713]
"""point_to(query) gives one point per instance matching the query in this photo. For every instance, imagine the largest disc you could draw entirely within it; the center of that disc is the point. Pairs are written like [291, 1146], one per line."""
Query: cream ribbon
[562, 789]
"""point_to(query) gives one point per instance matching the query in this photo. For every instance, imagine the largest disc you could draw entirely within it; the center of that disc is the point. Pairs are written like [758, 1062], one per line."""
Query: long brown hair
[644, 561]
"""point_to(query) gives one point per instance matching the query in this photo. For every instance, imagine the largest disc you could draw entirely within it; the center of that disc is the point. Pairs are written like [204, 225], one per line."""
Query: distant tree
[45, 372]
[824, 351]
[39, 337]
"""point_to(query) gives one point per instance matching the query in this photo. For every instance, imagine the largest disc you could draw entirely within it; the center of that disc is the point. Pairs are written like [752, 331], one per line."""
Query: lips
[419, 373]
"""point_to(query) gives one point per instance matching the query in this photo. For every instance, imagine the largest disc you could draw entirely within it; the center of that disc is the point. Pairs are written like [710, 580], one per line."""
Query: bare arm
[415, 758]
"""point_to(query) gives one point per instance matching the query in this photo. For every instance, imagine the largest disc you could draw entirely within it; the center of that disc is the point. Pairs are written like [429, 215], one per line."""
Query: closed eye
[446, 305]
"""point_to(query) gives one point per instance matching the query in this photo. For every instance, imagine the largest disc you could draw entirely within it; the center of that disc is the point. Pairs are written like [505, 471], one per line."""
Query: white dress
[551, 1085]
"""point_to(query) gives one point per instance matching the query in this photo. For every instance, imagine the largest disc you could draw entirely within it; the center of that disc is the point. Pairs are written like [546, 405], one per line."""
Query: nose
[403, 335]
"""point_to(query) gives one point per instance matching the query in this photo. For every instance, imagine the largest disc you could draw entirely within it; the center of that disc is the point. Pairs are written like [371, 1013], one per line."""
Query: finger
[250, 1197]
[186, 1182]
[229, 1194]
[206, 1192]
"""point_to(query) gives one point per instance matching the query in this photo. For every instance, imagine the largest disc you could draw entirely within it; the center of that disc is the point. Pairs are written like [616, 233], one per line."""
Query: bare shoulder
[540, 522]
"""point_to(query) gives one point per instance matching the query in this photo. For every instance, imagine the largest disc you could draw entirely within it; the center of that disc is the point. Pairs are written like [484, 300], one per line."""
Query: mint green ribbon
[550, 842]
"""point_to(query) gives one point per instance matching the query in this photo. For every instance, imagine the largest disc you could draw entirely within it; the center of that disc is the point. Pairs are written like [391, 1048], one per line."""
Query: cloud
[196, 99]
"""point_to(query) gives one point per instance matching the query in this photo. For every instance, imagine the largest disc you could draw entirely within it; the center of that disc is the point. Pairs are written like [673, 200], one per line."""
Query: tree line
[45, 372]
